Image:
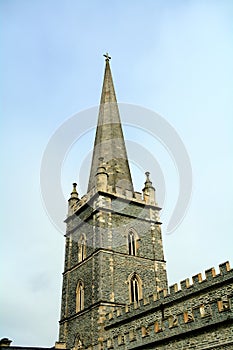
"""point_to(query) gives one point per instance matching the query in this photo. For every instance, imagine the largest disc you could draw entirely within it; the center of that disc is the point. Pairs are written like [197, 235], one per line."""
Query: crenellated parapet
[146, 197]
[176, 292]
[97, 200]
[170, 327]
[204, 303]
[120, 193]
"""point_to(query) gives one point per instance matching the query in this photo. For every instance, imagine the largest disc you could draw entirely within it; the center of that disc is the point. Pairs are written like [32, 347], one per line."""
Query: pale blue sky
[174, 57]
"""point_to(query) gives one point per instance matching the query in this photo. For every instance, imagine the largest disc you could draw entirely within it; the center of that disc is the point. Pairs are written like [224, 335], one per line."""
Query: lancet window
[132, 243]
[135, 288]
[82, 248]
[80, 296]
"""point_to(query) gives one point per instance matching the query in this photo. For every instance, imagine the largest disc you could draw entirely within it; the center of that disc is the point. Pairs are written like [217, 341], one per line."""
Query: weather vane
[107, 56]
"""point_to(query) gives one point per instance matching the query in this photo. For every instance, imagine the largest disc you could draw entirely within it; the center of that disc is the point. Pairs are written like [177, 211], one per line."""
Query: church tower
[114, 252]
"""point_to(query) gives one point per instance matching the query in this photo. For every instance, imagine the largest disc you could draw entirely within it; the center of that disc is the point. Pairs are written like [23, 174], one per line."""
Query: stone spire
[109, 139]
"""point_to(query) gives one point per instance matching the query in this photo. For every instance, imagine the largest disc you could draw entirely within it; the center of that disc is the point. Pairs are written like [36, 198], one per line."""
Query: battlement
[175, 292]
[169, 327]
[134, 197]
[204, 303]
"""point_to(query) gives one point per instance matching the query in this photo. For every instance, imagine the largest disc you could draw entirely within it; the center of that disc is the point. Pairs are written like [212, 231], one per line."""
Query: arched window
[135, 288]
[80, 296]
[132, 243]
[82, 248]
[78, 345]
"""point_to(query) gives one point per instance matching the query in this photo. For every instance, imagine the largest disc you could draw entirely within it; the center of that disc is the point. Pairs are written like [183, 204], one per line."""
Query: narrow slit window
[80, 297]
[82, 249]
[132, 243]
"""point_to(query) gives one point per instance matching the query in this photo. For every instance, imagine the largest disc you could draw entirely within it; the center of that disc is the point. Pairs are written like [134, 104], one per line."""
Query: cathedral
[115, 292]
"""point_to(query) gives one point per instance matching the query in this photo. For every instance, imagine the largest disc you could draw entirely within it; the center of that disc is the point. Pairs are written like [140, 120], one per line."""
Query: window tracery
[132, 242]
[135, 288]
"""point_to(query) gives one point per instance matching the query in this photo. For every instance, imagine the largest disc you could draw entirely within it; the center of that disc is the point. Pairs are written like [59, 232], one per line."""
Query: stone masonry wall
[105, 222]
[197, 316]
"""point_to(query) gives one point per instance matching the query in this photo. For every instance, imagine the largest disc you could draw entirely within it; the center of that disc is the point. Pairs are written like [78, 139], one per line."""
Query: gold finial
[107, 57]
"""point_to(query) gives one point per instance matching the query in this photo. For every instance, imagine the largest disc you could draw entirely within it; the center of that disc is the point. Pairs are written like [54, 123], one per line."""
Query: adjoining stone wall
[197, 316]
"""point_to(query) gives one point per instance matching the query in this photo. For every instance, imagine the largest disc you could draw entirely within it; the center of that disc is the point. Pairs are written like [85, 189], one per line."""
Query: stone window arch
[80, 296]
[132, 240]
[78, 344]
[82, 248]
[135, 288]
